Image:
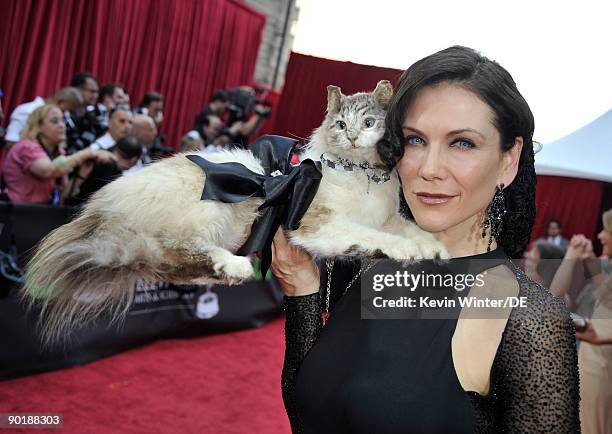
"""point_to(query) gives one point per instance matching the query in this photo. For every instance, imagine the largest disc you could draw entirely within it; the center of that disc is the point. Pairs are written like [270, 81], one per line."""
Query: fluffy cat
[152, 224]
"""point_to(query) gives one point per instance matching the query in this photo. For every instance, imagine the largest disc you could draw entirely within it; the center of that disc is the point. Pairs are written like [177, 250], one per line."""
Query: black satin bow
[287, 190]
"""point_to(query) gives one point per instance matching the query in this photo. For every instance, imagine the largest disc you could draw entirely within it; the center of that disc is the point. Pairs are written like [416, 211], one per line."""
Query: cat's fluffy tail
[79, 271]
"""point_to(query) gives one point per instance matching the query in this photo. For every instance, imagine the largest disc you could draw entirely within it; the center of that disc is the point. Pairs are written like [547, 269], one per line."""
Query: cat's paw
[233, 269]
[405, 250]
[433, 249]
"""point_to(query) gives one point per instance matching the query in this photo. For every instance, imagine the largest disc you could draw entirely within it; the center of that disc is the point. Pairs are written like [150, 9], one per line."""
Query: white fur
[153, 225]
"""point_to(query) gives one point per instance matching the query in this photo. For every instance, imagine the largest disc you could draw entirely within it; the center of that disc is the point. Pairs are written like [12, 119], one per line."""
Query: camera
[242, 102]
[159, 150]
[83, 130]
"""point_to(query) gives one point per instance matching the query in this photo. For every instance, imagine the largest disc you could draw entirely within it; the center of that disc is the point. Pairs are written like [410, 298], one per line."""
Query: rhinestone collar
[375, 174]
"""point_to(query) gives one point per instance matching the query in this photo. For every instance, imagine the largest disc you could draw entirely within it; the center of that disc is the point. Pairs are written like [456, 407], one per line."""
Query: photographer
[110, 96]
[119, 125]
[246, 114]
[218, 105]
[206, 128]
[86, 124]
[152, 104]
[144, 130]
[92, 176]
[68, 99]
[88, 87]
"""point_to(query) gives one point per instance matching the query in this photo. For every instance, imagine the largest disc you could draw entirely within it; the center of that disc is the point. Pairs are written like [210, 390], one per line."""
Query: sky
[559, 52]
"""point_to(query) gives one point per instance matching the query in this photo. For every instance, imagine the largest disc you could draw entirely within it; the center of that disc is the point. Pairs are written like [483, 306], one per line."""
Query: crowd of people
[62, 148]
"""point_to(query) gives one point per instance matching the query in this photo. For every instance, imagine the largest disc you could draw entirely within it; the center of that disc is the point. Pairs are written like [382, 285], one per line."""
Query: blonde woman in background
[35, 168]
[595, 354]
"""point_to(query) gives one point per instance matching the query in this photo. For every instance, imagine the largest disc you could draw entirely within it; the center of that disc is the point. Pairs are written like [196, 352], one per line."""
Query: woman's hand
[580, 247]
[590, 335]
[293, 267]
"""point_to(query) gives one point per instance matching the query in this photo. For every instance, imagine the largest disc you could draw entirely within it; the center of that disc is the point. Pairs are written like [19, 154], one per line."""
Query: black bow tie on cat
[287, 190]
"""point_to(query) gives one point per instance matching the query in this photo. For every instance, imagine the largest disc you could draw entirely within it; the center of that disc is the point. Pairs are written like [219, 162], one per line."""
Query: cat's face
[355, 123]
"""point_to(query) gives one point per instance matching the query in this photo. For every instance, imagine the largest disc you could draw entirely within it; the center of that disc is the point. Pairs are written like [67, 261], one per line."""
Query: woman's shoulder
[540, 318]
[22, 152]
[536, 300]
[25, 144]
[27, 147]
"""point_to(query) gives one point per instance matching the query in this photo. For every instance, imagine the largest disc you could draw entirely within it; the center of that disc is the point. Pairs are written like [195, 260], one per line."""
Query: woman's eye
[413, 140]
[463, 144]
[340, 125]
[369, 122]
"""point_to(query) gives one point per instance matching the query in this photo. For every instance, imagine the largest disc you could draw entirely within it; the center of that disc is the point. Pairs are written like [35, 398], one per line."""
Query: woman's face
[53, 128]
[605, 238]
[452, 161]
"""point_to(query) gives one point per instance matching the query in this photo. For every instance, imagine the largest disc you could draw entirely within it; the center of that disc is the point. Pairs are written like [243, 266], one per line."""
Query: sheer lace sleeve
[538, 388]
[302, 327]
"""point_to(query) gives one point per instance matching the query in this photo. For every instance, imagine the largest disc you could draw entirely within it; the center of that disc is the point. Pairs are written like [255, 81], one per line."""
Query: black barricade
[160, 310]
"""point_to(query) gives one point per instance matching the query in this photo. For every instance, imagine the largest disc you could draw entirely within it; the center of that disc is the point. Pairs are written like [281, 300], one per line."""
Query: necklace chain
[329, 265]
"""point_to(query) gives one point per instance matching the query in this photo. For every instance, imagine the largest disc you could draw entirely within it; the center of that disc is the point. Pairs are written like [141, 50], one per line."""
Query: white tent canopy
[585, 153]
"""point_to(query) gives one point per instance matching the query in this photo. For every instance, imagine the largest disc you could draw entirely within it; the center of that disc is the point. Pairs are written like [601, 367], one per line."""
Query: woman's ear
[511, 161]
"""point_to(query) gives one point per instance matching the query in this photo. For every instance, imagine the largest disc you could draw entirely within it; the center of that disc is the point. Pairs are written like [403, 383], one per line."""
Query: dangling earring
[495, 216]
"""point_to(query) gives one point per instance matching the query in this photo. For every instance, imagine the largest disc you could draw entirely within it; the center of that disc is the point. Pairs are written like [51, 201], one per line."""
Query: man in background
[86, 125]
[553, 235]
[218, 105]
[207, 129]
[68, 99]
[110, 96]
[119, 126]
[87, 85]
[152, 104]
[145, 131]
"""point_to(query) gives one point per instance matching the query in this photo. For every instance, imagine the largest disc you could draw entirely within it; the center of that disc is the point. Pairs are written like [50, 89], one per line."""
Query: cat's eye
[340, 125]
[413, 140]
[369, 122]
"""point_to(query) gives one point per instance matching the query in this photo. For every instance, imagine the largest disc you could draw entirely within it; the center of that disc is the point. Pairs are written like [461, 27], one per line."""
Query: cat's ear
[383, 93]
[334, 96]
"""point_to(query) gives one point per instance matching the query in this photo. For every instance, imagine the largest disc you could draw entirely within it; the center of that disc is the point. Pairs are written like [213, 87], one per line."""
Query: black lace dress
[395, 376]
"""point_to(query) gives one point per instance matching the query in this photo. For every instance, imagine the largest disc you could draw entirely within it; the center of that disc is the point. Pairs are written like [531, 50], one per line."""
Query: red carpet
[226, 383]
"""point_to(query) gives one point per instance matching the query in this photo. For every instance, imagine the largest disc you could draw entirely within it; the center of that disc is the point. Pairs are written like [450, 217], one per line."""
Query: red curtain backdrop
[184, 49]
[304, 97]
[576, 203]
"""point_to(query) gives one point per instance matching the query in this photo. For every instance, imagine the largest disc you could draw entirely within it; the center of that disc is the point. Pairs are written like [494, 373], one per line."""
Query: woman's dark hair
[513, 118]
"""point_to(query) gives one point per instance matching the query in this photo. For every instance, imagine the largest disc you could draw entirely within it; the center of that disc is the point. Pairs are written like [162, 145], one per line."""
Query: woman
[35, 167]
[460, 135]
[595, 301]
